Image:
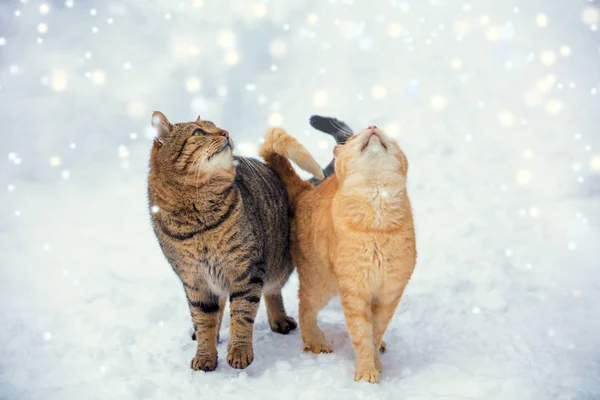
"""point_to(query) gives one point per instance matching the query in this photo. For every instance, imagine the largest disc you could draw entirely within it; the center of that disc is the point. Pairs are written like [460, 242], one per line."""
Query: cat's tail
[340, 131]
[278, 149]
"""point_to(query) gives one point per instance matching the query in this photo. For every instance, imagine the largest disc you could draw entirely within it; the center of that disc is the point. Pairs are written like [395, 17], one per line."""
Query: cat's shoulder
[250, 167]
[253, 173]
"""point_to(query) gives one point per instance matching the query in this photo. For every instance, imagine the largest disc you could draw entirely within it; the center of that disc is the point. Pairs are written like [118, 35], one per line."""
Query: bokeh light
[495, 105]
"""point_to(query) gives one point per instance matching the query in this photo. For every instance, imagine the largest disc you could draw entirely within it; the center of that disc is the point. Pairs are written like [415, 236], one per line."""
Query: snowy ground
[495, 103]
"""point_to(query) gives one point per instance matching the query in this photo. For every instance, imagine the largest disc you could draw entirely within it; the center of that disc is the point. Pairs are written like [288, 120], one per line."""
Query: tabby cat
[222, 222]
[352, 236]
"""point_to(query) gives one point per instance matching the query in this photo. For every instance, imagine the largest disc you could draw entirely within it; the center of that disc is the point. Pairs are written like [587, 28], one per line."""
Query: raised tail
[333, 126]
[340, 131]
[278, 149]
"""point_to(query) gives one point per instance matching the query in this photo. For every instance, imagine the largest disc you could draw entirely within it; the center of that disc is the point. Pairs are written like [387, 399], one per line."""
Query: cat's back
[264, 196]
[312, 225]
[316, 204]
[266, 209]
[259, 183]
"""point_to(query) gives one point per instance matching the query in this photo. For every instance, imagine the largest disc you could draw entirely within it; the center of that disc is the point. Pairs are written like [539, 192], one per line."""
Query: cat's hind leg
[279, 321]
[382, 347]
[313, 298]
[244, 300]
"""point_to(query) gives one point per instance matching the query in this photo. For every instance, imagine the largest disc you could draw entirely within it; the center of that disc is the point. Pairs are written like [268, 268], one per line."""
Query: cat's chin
[372, 142]
[222, 160]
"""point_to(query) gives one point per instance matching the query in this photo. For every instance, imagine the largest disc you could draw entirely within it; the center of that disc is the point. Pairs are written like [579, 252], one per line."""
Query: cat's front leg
[204, 308]
[243, 303]
[222, 302]
[383, 309]
[356, 304]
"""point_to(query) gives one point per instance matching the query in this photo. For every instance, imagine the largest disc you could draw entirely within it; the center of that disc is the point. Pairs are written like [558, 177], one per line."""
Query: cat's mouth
[226, 146]
[370, 138]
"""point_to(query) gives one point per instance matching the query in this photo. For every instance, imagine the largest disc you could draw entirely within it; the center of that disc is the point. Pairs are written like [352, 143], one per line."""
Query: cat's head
[370, 153]
[191, 152]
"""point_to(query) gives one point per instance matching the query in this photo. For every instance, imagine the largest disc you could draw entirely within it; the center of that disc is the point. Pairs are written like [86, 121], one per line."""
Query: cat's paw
[382, 347]
[240, 357]
[369, 375]
[204, 363]
[318, 348]
[284, 326]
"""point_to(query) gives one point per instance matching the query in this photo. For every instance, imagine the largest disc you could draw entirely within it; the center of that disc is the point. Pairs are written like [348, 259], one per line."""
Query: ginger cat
[352, 236]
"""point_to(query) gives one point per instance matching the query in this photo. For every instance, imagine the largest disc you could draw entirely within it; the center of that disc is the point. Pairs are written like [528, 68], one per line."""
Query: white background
[495, 103]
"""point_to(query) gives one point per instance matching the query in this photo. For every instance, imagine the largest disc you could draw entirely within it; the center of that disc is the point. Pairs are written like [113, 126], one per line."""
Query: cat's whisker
[341, 128]
[255, 170]
[261, 174]
[346, 133]
[337, 125]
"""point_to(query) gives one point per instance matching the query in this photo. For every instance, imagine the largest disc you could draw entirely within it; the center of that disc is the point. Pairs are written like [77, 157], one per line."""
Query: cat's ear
[337, 150]
[198, 120]
[162, 125]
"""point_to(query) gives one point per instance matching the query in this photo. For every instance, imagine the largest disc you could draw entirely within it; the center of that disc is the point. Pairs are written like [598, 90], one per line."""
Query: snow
[493, 104]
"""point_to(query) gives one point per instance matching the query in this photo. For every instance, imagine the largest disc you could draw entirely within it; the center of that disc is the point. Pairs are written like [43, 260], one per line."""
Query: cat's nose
[372, 127]
[224, 133]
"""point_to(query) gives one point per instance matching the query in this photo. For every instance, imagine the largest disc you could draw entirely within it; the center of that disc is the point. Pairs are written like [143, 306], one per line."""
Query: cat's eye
[199, 132]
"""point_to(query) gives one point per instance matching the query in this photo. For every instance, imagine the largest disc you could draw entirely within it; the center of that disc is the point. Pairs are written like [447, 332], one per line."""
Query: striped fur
[222, 222]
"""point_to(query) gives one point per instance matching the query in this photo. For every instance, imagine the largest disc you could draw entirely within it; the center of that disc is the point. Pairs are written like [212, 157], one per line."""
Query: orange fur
[352, 236]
